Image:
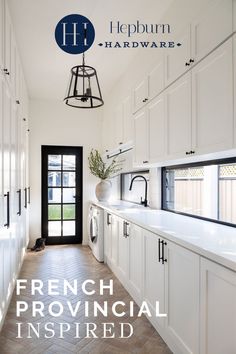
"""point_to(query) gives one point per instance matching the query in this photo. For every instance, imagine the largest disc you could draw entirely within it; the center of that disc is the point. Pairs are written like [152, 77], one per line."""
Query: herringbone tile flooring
[74, 262]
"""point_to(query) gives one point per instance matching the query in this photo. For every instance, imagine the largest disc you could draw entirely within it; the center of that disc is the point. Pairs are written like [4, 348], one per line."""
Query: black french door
[62, 194]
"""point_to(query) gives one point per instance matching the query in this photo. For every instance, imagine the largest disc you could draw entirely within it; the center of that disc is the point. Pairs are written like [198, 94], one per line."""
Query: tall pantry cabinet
[14, 183]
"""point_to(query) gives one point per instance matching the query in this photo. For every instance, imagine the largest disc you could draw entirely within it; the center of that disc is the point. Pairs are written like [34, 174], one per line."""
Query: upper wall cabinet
[177, 59]
[178, 116]
[1, 35]
[123, 122]
[156, 128]
[234, 60]
[150, 86]
[234, 15]
[141, 138]
[211, 28]
[212, 96]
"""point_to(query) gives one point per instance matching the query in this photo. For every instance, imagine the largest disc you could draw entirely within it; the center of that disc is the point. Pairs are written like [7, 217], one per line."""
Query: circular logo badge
[74, 34]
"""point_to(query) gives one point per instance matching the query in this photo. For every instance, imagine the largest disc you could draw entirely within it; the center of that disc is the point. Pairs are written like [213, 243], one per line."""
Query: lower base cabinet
[218, 309]
[198, 295]
[182, 294]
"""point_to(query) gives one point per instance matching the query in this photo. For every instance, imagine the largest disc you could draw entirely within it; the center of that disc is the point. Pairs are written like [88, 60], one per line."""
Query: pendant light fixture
[84, 89]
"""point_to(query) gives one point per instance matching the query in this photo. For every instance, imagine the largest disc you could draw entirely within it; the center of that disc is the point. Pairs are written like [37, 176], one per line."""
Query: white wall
[54, 123]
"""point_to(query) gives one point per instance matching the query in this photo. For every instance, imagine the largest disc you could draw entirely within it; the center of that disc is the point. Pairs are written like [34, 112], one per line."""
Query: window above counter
[204, 190]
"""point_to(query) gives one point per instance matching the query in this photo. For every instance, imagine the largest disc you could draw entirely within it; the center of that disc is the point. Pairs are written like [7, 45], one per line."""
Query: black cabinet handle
[159, 250]
[127, 225]
[187, 64]
[124, 229]
[6, 71]
[163, 252]
[145, 161]
[28, 195]
[191, 60]
[7, 195]
[19, 202]
[108, 219]
[25, 198]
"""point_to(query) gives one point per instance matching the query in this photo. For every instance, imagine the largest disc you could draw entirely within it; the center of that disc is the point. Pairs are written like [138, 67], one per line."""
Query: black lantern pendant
[84, 90]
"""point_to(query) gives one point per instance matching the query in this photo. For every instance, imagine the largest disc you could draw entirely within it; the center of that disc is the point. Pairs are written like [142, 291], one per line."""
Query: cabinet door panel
[157, 129]
[1, 35]
[127, 120]
[135, 261]
[234, 67]
[218, 309]
[107, 236]
[119, 125]
[178, 106]
[156, 78]
[211, 27]
[114, 240]
[213, 101]
[123, 245]
[154, 276]
[140, 137]
[182, 298]
[140, 93]
[176, 58]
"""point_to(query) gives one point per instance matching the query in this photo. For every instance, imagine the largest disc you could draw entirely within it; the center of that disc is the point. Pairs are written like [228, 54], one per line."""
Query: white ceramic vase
[103, 190]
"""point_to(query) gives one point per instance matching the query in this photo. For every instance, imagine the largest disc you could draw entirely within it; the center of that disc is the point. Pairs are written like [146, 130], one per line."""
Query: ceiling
[46, 66]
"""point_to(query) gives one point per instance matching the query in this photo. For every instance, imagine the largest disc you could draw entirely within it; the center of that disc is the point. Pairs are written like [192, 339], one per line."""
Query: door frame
[60, 150]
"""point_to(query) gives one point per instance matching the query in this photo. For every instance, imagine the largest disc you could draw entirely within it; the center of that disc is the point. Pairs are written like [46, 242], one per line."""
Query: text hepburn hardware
[128, 30]
[90, 309]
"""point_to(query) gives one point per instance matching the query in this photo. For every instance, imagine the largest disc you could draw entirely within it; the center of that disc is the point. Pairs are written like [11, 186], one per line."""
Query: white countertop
[214, 241]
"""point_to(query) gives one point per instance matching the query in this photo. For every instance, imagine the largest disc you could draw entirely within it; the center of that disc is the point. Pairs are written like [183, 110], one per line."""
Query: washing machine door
[93, 229]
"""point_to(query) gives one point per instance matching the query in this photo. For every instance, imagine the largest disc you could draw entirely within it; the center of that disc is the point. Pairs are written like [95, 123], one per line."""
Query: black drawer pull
[25, 198]
[7, 195]
[19, 202]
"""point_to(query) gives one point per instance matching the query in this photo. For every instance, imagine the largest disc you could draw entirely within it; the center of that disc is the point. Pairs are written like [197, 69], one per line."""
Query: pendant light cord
[83, 60]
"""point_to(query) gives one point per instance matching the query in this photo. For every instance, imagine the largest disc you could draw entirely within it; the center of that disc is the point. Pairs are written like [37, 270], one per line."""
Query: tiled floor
[74, 262]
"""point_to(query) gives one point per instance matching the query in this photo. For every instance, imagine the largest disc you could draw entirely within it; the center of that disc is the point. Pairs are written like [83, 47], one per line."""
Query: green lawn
[54, 212]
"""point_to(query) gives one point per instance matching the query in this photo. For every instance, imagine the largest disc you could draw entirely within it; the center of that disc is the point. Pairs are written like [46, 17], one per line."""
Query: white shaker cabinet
[127, 120]
[151, 85]
[212, 26]
[140, 94]
[141, 152]
[217, 309]
[234, 67]
[1, 35]
[157, 129]
[182, 294]
[123, 127]
[154, 277]
[156, 77]
[212, 99]
[178, 116]
[135, 261]
[177, 59]
[118, 125]
[123, 250]
[107, 235]
[114, 241]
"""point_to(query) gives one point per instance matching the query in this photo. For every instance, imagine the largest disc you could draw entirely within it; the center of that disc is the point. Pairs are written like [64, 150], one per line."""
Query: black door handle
[28, 195]
[25, 198]
[163, 252]
[159, 250]
[124, 229]
[108, 219]
[19, 202]
[7, 195]
[127, 224]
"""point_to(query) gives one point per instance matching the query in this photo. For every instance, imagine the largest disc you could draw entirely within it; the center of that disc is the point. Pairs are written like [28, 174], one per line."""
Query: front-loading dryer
[96, 231]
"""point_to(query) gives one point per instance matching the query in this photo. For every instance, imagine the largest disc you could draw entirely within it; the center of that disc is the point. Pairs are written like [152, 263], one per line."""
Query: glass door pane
[62, 172]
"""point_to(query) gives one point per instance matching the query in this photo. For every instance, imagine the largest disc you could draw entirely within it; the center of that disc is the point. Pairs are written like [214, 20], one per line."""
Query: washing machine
[96, 231]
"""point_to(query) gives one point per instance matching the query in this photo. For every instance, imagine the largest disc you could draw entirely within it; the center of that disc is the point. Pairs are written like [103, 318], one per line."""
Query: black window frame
[122, 183]
[188, 165]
